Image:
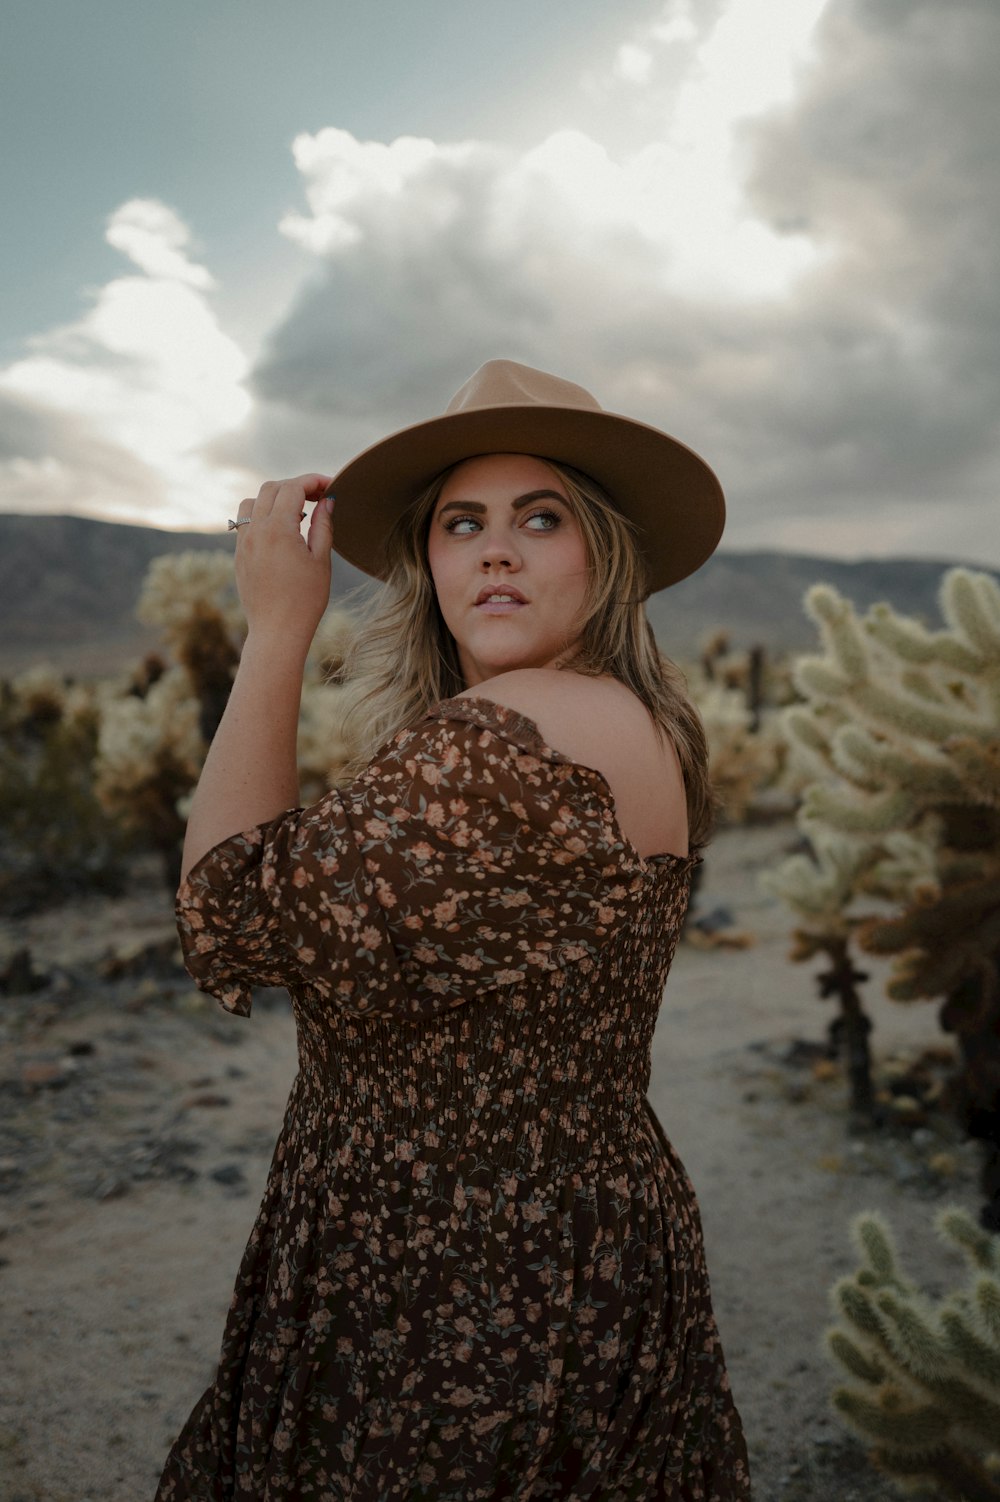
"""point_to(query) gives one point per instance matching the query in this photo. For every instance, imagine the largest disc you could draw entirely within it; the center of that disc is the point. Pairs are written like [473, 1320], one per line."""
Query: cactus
[736, 694]
[924, 1378]
[55, 838]
[153, 739]
[820, 886]
[900, 731]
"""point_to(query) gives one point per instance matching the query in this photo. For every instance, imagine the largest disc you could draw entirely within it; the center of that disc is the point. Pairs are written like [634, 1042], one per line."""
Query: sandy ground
[138, 1121]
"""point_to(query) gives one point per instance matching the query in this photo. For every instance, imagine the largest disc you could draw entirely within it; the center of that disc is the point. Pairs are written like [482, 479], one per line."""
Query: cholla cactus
[925, 1377]
[153, 741]
[736, 694]
[820, 888]
[192, 598]
[901, 728]
[741, 761]
[323, 751]
[55, 838]
[180, 584]
[150, 752]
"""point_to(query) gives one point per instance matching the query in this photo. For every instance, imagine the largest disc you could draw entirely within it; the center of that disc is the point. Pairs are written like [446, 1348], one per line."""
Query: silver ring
[244, 521]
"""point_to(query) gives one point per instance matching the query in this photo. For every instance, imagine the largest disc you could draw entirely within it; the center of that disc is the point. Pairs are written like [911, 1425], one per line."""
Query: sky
[244, 241]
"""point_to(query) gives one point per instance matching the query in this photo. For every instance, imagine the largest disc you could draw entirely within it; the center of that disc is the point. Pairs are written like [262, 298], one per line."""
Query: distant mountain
[757, 597]
[69, 586]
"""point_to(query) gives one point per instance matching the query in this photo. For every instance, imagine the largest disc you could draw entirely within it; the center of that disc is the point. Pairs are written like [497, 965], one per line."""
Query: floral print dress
[477, 1271]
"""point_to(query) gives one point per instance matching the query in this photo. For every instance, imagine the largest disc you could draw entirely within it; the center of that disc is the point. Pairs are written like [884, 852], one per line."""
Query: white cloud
[775, 241]
[633, 63]
[823, 329]
[147, 371]
[156, 239]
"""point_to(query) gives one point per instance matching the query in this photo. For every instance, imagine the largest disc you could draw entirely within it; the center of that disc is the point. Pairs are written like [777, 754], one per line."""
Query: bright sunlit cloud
[690, 78]
[147, 369]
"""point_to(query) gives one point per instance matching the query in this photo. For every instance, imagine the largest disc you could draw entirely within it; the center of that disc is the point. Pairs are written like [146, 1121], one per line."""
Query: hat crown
[505, 383]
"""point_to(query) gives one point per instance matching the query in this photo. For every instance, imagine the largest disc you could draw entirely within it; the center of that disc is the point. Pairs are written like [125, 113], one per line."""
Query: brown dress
[477, 1271]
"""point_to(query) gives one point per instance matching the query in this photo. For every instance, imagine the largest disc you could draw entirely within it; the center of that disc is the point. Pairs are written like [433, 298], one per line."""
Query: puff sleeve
[466, 856]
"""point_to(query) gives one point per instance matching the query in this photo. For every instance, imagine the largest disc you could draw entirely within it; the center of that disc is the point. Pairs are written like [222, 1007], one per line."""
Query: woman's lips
[511, 600]
[500, 607]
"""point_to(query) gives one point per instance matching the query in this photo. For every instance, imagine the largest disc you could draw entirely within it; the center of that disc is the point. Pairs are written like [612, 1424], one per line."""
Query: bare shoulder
[572, 712]
[599, 723]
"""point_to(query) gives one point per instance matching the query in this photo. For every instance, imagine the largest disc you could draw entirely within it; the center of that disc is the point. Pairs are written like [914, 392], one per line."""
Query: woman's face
[509, 565]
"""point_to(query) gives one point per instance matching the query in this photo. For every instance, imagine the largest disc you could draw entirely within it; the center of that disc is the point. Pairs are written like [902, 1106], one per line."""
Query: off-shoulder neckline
[524, 731]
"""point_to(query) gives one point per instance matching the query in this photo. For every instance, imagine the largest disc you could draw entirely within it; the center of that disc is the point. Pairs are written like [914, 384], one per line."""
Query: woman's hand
[250, 773]
[284, 578]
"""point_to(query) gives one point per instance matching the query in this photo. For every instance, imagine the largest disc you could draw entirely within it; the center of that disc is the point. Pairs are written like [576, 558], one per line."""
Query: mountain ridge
[69, 587]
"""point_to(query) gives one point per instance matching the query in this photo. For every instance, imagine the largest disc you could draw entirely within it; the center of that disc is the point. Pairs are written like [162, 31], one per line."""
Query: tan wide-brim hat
[662, 486]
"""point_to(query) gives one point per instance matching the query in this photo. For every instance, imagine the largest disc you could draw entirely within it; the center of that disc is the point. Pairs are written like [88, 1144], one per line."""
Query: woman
[478, 1269]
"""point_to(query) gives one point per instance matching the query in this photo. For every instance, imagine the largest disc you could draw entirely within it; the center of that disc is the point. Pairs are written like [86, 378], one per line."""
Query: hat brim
[665, 488]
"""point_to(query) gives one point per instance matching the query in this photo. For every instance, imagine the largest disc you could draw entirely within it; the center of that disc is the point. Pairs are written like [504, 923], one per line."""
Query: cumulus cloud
[892, 380]
[156, 239]
[770, 231]
[50, 461]
[822, 326]
[129, 395]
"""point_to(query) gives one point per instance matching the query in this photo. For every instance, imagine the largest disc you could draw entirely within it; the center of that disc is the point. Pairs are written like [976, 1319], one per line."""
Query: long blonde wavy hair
[403, 659]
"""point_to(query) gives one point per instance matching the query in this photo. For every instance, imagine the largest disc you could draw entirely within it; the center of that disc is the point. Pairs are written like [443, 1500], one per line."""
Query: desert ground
[138, 1120]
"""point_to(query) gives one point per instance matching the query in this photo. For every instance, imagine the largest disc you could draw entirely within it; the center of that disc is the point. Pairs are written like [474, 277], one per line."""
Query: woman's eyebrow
[521, 500]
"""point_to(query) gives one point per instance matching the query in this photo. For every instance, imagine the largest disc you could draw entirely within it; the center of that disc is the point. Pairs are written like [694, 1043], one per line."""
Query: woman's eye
[461, 525]
[549, 520]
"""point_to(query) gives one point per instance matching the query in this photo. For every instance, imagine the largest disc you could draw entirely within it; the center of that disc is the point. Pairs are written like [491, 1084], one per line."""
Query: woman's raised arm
[250, 773]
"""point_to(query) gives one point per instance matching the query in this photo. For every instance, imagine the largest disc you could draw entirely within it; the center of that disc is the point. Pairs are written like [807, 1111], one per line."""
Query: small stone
[204, 1098]
[146, 992]
[190, 1003]
[18, 976]
[112, 1189]
[41, 1074]
[943, 1165]
[229, 1173]
[715, 919]
[140, 956]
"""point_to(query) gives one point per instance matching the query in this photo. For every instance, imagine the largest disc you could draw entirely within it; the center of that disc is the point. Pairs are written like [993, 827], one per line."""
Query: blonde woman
[478, 1271]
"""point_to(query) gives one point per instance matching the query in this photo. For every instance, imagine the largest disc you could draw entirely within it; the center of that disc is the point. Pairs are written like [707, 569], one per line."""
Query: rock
[714, 920]
[81, 1048]
[907, 1108]
[230, 1174]
[147, 991]
[140, 957]
[18, 976]
[41, 1074]
[204, 1098]
[112, 1189]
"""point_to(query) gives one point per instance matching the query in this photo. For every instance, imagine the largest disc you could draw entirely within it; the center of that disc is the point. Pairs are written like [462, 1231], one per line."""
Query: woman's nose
[499, 552]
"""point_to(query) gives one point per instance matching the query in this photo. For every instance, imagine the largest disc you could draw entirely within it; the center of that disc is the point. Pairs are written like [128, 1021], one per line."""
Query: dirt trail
[138, 1121]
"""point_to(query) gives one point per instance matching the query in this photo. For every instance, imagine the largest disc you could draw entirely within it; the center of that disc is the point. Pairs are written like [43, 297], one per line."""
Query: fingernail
[328, 503]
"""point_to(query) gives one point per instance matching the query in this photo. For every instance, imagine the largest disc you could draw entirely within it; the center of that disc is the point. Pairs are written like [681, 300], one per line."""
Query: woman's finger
[265, 497]
[320, 538]
[243, 513]
[292, 495]
[287, 498]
